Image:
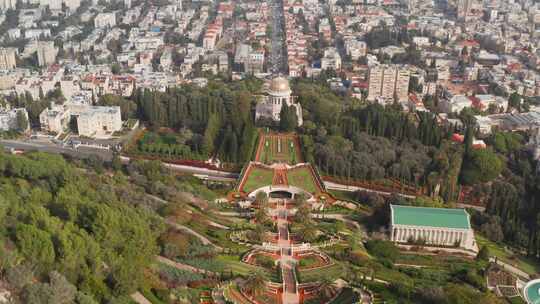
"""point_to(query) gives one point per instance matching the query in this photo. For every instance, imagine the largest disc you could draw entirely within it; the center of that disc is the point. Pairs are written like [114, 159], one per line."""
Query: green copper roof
[532, 292]
[430, 217]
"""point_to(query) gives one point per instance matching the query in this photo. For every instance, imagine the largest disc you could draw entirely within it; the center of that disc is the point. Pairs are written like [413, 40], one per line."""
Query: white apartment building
[9, 119]
[37, 33]
[95, 121]
[355, 48]
[54, 119]
[52, 4]
[91, 121]
[7, 4]
[389, 82]
[209, 41]
[255, 62]
[46, 53]
[421, 41]
[72, 5]
[482, 102]
[331, 59]
[7, 58]
[105, 20]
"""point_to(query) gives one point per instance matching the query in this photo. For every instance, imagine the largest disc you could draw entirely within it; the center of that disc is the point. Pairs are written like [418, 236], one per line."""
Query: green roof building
[433, 226]
[531, 291]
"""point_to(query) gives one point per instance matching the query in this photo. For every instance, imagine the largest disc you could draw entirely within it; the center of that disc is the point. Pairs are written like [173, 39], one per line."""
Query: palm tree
[327, 288]
[261, 216]
[255, 283]
[303, 213]
[261, 198]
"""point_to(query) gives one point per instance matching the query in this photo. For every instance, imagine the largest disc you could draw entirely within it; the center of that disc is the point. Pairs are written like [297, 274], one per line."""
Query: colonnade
[430, 235]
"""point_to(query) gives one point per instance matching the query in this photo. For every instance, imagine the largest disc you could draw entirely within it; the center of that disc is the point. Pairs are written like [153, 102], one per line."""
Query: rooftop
[532, 292]
[430, 217]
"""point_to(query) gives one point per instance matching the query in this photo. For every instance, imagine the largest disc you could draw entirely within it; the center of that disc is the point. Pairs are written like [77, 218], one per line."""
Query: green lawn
[346, 296]
[308, 261]
[258, 177]
[331, 272]
[526, 264]
[516, 300]
[270, 154]
[302, 178]
[233, 293]
[233, 263]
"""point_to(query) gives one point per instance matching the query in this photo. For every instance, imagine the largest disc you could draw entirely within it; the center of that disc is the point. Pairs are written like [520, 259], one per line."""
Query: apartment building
[46, 53]
[7, 58]
[331, 60]
[7, 4]
[388, 82]
[105, 20]
[9, 119]
[91, 121]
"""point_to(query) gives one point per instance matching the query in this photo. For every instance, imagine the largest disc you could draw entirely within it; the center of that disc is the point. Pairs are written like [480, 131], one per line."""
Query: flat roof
[430, 217]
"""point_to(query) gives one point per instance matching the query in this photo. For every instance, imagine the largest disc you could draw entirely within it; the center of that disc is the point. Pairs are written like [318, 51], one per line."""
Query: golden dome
[280, 84]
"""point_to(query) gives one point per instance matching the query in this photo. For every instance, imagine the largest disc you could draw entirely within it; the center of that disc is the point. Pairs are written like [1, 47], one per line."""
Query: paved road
[201, 237]
[43, 146]
[216, 175]
[181, 266]
[139, 298]
[277, 61]
[516, 271]
[340, 187]
[84, 152]
[340, 217]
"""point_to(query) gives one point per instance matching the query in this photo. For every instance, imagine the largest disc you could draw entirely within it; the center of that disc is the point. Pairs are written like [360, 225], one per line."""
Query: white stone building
[432, 227]
[278, 94]
[7, 58]
[9, 119]
[388, 82]
[7, 4]
[91, 121]
[105, 20]
[46, 53]
[331, 60]
[355, 48]
[95, 121]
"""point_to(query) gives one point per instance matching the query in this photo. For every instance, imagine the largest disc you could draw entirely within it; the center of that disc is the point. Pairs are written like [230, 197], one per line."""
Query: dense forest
[66, 229]
[512, 211]
[214, 121]
[216, 115]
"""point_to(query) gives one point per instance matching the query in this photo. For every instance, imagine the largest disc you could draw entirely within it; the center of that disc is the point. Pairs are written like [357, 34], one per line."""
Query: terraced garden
[301, 177]
[278, 148]
[257, 177]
